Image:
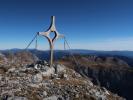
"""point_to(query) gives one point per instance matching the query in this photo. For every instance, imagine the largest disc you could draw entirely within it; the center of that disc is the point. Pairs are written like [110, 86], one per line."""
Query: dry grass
[67, 63]
[2, 70]
[69, 82]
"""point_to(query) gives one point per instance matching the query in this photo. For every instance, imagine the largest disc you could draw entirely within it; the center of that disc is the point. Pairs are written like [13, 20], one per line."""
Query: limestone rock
[51, 98]
[37, 78]
[44, 93]
[48, 71]
[59, 68]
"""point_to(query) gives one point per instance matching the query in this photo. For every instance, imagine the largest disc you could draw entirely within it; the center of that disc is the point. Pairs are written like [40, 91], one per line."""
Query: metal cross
[51, 41]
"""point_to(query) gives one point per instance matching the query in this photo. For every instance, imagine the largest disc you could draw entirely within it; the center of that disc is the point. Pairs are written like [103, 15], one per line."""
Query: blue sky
[87, 24]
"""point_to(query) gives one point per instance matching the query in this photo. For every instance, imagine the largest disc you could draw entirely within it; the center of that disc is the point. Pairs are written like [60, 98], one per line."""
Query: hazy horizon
[66, 49]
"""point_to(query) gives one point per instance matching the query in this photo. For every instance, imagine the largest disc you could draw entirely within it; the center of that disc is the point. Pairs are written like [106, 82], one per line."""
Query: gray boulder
[37, 78]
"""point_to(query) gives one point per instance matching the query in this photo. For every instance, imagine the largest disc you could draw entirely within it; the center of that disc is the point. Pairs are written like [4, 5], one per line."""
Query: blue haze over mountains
[44, 55]
[81, 51]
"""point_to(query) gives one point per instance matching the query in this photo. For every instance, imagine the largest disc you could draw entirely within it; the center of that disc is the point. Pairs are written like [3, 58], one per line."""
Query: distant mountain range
[80, 51]
[44, 55]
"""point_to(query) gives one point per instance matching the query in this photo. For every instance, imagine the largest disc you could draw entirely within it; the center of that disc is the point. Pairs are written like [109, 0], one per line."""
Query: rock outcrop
[30, 83]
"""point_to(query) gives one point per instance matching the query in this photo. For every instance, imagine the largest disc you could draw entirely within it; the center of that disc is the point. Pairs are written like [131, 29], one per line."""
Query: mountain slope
[110, 72]
[39, 81]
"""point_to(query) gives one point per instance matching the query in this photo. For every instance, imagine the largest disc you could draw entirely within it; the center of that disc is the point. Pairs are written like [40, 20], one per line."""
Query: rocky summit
[38, 81]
